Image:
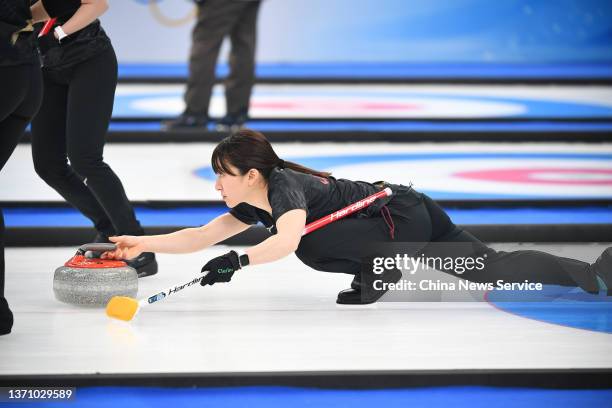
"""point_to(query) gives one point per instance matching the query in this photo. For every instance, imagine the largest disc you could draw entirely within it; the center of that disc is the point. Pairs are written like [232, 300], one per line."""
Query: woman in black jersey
[260, 187]
[21, 86]
[80, 77]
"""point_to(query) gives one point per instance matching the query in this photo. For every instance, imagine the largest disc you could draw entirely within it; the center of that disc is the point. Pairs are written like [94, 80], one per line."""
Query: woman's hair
[247, 149]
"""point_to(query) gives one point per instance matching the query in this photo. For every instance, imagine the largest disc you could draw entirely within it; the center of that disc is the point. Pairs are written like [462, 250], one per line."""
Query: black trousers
[423, 228]
[216, 20]
[72, 125]
[20, 99]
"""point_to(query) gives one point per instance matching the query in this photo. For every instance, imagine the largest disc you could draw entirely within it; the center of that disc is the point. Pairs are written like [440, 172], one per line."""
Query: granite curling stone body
[88, 280]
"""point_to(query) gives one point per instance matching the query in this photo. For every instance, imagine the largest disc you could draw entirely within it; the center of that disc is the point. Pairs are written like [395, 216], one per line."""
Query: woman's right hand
[128, 247]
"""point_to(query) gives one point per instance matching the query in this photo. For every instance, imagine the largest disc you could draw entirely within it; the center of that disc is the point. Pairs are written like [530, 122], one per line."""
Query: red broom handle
[348, 210]
[47, 27]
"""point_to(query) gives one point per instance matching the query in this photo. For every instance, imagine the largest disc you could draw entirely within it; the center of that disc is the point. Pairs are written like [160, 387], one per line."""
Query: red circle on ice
[308, 105]
[542, 176]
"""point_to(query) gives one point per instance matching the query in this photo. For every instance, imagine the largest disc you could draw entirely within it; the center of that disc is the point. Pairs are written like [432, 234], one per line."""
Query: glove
[221, 268]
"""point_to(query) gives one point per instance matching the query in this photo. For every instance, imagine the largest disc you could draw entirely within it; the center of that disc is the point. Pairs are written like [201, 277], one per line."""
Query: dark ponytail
[248, 149]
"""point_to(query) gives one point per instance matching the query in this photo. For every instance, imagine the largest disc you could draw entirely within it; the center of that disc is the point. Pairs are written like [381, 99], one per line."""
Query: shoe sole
[397, 275]
[603, 269]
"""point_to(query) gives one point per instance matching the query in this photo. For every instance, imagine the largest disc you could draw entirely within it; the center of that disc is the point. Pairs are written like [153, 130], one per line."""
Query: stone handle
[97, 248]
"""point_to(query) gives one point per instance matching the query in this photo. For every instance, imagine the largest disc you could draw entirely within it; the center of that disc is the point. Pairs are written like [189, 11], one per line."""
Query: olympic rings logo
[163, 19]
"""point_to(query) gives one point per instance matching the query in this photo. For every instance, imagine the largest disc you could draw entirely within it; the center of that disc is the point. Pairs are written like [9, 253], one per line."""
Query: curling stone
[88, 280]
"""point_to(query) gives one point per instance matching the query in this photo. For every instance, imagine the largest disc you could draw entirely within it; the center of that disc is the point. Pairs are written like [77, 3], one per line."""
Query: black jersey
[290, 190]
[79, 46]
[64, 9]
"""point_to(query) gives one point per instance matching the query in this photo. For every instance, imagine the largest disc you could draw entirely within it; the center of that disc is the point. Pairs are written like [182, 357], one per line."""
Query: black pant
[20, 99]
[216, 20]
[72, 124]
[423, 228]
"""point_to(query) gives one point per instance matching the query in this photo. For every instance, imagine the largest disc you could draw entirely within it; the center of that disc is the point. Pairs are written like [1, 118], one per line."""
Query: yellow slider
[122, 307]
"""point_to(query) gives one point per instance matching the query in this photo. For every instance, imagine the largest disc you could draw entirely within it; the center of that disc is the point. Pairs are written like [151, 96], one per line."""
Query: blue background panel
[266, 397]
[149, 217]
[390, 126]
[383, 31]
[388, 71]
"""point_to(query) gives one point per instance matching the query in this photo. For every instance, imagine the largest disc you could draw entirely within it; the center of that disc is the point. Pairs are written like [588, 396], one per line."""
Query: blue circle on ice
[561, 305]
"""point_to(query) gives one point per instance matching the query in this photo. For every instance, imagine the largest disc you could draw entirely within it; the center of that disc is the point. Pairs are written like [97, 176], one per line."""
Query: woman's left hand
[221, 268]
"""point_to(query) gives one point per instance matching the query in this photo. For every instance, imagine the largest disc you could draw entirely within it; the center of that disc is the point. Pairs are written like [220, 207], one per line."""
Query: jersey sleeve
[287, 194]
[59, 7]
[245, 213]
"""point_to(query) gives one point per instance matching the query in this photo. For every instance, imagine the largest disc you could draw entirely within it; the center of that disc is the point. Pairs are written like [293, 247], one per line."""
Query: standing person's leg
[49, 153]
[20, 100]
[87, 120]
[86, 127]
[6, 316]
[214, 21]
[22, 95]
[239, 83]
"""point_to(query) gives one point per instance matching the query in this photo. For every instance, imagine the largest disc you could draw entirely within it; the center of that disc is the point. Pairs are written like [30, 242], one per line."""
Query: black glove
[221, 268]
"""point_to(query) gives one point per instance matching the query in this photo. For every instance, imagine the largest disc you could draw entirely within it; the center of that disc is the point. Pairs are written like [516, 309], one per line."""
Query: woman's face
[233, 189]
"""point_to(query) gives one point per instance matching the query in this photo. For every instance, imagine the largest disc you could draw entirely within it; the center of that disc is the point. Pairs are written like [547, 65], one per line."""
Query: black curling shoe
[6, 317]
[101, 238]
[187, 120]
[602, 268]
[233, 122]
[145, 264]
[364, 293]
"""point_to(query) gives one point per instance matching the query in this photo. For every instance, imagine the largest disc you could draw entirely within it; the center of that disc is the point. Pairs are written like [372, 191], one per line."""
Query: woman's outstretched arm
[179, 242]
